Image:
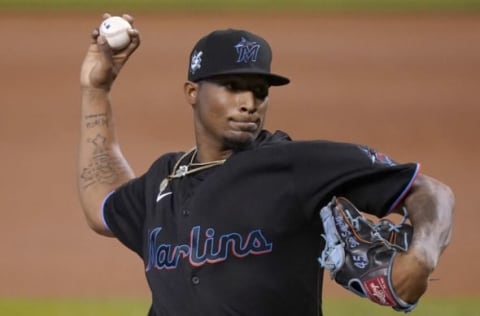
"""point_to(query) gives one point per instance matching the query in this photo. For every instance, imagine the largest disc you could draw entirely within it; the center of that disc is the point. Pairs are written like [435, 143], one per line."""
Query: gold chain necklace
[184, 170]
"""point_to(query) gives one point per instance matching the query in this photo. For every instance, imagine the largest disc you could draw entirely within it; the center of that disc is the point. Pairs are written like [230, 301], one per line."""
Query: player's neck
[205, 154]
[208, 151]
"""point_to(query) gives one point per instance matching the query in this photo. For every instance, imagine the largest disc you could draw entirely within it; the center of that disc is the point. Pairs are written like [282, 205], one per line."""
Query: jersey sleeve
[124, 213]
[126, 210]
[371, 180]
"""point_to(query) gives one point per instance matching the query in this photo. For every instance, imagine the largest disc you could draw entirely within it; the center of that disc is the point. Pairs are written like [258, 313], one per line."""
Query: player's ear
[190, 90]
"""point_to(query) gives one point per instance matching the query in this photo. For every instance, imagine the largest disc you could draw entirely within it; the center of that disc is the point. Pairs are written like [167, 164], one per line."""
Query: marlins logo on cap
[247, 51]
[232, 52]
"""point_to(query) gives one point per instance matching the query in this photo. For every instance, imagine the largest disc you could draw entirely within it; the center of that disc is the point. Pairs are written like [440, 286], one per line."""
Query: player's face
[231, 109]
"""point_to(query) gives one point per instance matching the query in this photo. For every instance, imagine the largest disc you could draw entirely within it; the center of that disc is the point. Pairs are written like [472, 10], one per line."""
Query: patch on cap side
[196, 62]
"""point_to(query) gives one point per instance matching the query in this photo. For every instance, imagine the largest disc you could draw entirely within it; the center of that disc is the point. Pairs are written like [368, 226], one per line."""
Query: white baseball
[115, 29]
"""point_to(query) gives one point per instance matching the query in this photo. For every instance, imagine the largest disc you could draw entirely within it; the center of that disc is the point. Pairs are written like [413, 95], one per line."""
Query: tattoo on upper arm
[96, 120]
[103, 167]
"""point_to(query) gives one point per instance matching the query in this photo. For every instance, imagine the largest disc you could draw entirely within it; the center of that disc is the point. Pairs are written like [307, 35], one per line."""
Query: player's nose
[246, 101]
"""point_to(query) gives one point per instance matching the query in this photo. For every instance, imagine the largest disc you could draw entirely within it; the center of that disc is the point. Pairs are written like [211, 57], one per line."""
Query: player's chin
[240, 139]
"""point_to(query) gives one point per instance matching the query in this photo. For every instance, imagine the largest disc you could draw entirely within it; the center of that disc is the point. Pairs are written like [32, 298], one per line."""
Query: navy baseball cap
[232, 52]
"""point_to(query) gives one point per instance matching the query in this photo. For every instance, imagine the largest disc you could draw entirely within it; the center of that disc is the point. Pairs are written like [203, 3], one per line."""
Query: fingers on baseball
[106, 52]
[133, 33]
[134, 40]
[94, 35]
[129, 18]
[106, 15]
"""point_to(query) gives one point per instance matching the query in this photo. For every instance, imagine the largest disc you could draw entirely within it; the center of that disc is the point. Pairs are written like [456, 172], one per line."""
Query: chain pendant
[163, 185]
[181, 171]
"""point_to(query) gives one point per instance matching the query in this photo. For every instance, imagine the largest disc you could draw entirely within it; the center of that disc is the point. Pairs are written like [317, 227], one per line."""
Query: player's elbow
[446, 216]
[94, 219]
[98, 227]
[438, 201]
[445, 201]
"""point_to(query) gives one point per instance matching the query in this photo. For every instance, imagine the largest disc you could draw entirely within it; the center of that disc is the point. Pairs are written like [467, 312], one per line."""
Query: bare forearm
[430, 206]
[101, 165]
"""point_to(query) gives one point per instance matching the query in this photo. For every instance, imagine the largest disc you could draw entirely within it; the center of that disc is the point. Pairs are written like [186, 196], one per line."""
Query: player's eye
[260, 91]
[231, 86]
[258, 88]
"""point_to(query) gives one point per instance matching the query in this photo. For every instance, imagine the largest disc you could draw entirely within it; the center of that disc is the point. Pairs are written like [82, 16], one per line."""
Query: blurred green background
[134, 307]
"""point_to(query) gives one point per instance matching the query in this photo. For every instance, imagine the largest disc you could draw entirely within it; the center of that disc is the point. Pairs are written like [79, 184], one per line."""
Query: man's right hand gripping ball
[360, 253]
[101, 64]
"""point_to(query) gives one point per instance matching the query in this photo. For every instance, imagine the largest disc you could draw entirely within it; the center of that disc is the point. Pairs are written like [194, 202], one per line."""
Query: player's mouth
[245, 125]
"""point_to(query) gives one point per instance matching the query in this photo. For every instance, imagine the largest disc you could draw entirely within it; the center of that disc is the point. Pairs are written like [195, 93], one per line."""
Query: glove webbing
[391, 241]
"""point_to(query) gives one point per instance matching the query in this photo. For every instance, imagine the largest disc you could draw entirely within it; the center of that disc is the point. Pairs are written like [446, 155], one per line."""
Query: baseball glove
[359, 253]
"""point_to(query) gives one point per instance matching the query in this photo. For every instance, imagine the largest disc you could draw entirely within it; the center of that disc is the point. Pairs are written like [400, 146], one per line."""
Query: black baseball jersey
[243, 238]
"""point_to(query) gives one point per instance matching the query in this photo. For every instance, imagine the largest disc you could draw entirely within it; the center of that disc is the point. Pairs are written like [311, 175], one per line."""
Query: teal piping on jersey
[102, 211]
[406, 190]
